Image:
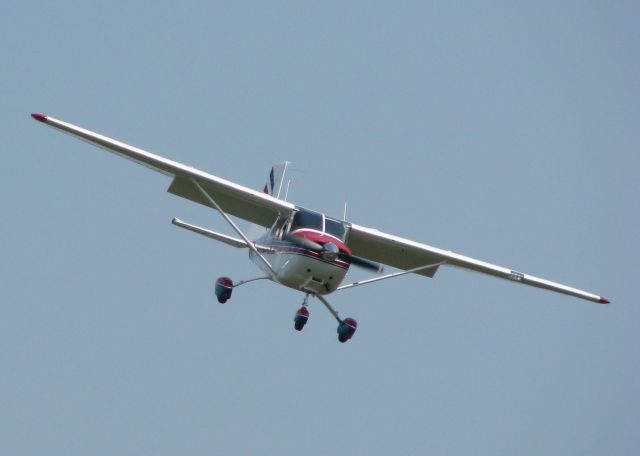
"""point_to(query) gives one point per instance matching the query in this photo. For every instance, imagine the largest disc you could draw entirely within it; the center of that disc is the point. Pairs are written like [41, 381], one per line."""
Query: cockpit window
[335, 228]
[306, 219]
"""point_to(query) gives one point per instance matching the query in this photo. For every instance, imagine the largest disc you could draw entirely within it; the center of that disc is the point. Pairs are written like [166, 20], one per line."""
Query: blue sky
[504, 132]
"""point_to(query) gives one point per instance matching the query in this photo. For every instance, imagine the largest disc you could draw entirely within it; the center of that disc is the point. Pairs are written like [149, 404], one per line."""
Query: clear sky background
[505, 132]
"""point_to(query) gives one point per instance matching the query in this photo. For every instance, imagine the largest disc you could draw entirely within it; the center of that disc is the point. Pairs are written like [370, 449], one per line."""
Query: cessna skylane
[300, 248]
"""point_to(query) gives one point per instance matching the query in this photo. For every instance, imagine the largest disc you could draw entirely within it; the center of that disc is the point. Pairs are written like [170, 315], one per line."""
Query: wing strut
[389, 276]
[235, 228]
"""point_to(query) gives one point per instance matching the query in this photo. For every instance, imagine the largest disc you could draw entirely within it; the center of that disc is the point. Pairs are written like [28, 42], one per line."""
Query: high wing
[263, 209]
[406, 254]
[256, 207]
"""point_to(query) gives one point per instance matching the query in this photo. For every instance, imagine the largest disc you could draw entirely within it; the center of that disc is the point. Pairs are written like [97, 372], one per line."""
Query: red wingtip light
[604, 301]
[39, 117]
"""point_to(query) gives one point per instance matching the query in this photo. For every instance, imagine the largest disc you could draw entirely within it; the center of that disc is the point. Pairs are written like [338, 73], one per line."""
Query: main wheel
[224, 287]
[346, 329]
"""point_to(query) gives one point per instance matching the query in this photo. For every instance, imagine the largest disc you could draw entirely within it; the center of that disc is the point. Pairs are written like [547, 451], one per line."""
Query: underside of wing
[406, 254]
[230, 200]
[375, 246]
[234, 199]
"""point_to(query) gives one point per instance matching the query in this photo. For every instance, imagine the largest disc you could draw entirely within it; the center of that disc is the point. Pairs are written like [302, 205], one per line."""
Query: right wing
[406, 254]
[245, 203]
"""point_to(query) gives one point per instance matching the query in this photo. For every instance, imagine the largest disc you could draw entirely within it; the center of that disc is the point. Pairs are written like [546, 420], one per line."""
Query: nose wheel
[302, 315]
[301, 318]
[346, 328]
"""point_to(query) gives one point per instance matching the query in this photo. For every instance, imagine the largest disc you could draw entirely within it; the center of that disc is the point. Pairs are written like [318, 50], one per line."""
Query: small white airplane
[299, 248]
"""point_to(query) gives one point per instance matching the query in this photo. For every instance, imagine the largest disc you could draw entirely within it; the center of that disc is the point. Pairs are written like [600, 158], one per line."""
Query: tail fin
[274, 185]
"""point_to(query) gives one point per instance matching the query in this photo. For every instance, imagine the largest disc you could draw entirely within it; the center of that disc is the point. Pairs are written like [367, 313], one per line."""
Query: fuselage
[301, 268]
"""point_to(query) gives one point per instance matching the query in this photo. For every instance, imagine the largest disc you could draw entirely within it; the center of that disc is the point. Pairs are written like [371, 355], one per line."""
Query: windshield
[306, 219]
[335, 228]
[310, 220]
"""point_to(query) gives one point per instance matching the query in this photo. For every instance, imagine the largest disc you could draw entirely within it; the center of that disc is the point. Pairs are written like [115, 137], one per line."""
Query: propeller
[366, 264]
[330, 252]
[303, 242]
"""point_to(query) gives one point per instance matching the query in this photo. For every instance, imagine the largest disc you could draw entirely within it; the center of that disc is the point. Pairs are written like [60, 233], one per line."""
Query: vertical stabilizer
[275, 180]
[275, 187]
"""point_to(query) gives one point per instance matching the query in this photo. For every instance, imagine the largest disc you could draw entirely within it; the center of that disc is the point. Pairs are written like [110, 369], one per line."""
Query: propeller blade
[318, 248]
[303, 242]
[361, 262]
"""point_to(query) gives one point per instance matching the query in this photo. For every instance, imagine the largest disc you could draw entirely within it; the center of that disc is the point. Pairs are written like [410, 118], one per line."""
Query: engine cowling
[224, 287]
[346, 329]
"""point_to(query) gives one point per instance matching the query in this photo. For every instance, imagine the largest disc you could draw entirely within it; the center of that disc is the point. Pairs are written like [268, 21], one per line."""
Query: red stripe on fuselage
[322, 238]
[288, 247]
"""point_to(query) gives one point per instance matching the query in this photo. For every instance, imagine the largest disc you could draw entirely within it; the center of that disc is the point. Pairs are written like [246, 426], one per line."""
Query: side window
[279, 228]
[335, 228]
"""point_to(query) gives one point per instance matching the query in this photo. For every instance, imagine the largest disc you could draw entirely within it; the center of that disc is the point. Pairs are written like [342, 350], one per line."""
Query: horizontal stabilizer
[239, 243]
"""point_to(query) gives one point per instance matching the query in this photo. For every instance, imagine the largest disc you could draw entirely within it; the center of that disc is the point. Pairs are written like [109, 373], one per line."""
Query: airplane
[299, 248]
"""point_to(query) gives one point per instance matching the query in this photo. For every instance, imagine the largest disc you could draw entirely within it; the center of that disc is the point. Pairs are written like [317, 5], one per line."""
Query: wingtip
[39, 117]
[604, 301]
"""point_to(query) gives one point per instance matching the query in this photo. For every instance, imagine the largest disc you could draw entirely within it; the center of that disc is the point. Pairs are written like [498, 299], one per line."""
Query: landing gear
[302, 315]
[346, 329]
[224, 287]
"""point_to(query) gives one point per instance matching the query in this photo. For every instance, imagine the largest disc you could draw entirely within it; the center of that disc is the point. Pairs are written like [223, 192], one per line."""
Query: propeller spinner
[330, 251]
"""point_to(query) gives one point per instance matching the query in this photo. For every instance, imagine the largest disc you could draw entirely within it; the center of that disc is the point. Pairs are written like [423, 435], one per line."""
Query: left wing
[234, 199]
[406, 254]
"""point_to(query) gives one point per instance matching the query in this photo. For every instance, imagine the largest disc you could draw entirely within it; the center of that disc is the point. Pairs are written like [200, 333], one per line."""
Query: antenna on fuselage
[284, 173]
[344, 213]
[287, 192]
